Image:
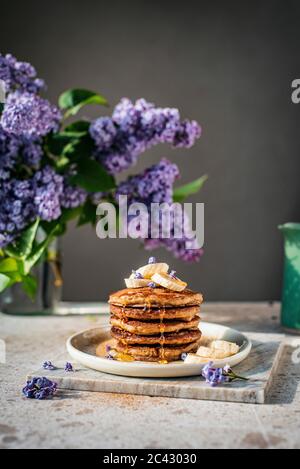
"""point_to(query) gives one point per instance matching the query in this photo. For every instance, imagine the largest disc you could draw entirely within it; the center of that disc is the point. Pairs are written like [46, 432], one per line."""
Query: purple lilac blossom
[16, 151]
[214, 376]
[48, 188]
[156, 185]
[134, 128]
[72, 197]
[9, 149]
[31, 151]
[17, 209]
[19, 75]
[152, 260]
[69, 368]
[39, 388]
[29, 115]
[137, 275]
[48, 366]
[21, 202]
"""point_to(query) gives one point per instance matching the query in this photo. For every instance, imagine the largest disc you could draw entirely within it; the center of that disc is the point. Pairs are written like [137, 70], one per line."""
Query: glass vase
[49, 291]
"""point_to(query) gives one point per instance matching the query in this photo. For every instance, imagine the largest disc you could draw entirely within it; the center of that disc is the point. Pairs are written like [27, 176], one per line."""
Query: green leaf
[8, 265]
[23, 246]
[73, 100]
[92, 177]
[181, 193]
[88, 214]
[57, 144]
[29, 285]
[39, 250]
[5, 282]
[80, 148]
[70, 214]
[77, 129]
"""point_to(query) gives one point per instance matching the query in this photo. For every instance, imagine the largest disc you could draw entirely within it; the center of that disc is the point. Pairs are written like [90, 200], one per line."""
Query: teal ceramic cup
[290, 313]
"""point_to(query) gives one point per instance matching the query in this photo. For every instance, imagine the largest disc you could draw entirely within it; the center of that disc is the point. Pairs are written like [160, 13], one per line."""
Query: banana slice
[228, 348]
[193, 358]
[147, 271]
[166, 281]
[218, 350]
[136, 282]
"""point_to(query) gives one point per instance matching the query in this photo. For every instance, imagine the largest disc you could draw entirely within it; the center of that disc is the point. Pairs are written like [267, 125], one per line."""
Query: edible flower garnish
[152, 260]
[39, 388]
[69, 368]
[111, 353]
[155, 274]
[137, 275]
[48, 366]
[215, 376]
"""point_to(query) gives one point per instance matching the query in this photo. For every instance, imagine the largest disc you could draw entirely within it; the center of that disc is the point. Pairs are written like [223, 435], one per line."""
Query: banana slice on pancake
[136, 282]
[167, 281]
[147, 271]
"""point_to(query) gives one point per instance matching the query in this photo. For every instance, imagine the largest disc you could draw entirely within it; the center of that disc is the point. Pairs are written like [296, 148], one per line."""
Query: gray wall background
[227, 64]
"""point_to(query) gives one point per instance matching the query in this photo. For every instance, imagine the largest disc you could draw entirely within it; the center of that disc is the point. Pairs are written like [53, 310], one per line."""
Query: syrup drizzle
[162, 327]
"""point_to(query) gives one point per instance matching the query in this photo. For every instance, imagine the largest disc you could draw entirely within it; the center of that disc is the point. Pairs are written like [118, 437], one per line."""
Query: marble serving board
[260, 368]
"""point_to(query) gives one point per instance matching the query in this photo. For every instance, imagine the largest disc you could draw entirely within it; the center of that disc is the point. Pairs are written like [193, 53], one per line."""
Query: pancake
[153, 328]
[155, 354]
[173, 338]
[155, 298]
[184, 314]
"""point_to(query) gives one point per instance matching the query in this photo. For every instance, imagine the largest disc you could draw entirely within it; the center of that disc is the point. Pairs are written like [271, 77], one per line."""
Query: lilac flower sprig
[216, 376]
[137, 275]
[111, 354]
[69, 368]
[136, 127]
[48, 366]
[50, 171]
[39, 388]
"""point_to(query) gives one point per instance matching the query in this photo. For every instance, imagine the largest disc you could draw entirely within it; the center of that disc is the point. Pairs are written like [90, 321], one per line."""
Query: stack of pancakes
[155, 324]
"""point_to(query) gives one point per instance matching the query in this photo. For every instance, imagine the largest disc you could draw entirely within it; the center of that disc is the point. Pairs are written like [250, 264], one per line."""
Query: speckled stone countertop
[96, 420]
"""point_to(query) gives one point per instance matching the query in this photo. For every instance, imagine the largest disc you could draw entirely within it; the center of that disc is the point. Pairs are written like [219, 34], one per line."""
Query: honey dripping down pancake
[154, 328]
[155, 298]
[156, 318]
[153, 354]
[154, 314]
[172, 338]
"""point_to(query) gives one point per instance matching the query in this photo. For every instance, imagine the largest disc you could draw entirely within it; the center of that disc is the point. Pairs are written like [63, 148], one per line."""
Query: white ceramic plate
[82, 348]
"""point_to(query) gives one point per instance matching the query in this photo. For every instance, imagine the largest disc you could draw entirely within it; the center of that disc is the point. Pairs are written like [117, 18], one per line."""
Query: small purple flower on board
[48, 366]
[215, 376]
[69, 368]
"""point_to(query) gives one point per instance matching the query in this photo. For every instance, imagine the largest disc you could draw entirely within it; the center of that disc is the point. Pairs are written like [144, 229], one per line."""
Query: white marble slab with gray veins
[260, 368]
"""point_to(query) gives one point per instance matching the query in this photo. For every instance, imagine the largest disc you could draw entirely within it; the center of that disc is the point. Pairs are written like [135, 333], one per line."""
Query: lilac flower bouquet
[53, 171]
